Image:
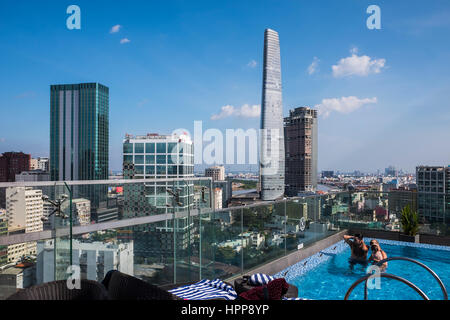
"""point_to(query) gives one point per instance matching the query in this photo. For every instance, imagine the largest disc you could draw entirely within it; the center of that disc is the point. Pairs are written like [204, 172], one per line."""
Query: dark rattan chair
[58, 290]
[121, 286]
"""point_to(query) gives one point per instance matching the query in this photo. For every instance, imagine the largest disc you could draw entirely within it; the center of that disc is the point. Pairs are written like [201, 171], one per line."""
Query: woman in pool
[377, 254]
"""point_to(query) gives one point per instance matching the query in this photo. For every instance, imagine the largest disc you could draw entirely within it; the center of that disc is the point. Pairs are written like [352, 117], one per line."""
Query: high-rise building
[217, 173]
[79, 132]
[12, 163]
[155, 157]
[81, 211]
[272, 133]
[433, 186]
[327, 174]
[24, 210]
[300, 130]
[40, 164]
[391, 171]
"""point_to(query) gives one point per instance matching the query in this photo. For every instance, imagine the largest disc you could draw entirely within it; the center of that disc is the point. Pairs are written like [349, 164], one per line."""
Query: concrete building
[33, 176]
[433, 186]
[24, 210]
[217, 173]
[16, 277]
[81, 211]
[217, 198]
[40, 164]
[3, 231]
[272, 133]
[301, 143]
[12, 163]
[95, 259]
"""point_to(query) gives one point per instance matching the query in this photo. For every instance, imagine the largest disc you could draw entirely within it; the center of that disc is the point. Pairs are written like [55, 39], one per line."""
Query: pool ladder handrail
[386, 275]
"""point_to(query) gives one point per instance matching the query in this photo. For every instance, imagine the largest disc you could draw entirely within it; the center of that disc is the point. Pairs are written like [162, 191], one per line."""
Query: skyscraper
[79, 132]
[300, 131]
[433, 185]
[272, 133]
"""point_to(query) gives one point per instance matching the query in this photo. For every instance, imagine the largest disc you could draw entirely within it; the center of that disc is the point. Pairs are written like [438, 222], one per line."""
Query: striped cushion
[206, 290]
[259, 279]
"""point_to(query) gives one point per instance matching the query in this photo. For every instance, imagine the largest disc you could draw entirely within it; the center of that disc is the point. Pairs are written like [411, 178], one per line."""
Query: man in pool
[359, 249]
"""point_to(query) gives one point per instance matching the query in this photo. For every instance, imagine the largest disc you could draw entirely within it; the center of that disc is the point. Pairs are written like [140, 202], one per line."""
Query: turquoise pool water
[331, 279]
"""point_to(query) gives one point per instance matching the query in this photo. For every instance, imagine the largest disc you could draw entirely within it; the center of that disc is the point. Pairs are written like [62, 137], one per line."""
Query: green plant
[409, 221]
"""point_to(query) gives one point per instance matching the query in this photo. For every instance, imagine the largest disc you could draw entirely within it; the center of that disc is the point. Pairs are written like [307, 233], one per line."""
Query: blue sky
[386, 102]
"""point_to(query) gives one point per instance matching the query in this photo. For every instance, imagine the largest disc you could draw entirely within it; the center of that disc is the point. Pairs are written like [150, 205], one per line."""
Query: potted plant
[409, 221]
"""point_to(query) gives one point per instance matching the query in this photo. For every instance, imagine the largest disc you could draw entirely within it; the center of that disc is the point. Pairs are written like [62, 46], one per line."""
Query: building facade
[24, 210]
[95, 259]
[301, 143]
[33, 176]
[217, 173]
[433, 186]
[12, 163]
[155, 157]
[79, 132]
[272, 133]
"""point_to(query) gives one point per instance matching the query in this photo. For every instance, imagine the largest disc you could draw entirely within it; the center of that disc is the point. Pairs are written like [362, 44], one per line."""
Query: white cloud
[2, 139]
[115, 28]
[313, 67]
[124, 40]
[343, 105]
[357, 65]
[246, 111]
[252, 64]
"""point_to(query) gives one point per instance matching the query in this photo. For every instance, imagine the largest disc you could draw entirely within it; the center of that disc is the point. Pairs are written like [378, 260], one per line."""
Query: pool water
[331, 279]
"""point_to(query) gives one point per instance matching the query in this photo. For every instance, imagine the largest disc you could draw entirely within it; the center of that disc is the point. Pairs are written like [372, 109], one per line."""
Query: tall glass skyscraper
[79, 132]
[272, 133]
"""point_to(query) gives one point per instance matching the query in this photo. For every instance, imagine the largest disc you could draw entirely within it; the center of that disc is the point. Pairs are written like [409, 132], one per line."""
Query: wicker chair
[58, 290]
[121, 286]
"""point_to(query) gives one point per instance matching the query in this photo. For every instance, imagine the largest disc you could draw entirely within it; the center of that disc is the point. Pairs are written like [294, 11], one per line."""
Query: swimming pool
[327, 275]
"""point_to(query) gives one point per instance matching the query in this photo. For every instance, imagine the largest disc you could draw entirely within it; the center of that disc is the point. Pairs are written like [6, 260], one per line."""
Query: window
[149, 159]
[172, 147]
[127, 147]
[139, 169]
[172, 159]
[139, 159]
[139, 148]
[161, 148]
[172, 170]
[127, 159]
[149, 148]
[161, 159]
[150, 170]
[161, 170]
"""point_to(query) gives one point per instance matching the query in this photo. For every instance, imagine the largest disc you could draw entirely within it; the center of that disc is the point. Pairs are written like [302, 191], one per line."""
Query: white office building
[95, 259]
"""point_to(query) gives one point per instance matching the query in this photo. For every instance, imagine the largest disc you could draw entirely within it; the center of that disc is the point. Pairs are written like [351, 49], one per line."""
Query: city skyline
[389, 109]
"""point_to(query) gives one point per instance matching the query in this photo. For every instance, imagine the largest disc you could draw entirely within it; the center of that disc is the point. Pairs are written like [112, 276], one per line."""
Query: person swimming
[359, 249]
[377, 254]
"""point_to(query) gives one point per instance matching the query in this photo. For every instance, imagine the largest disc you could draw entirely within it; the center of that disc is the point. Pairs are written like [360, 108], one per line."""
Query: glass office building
[272, 133]
[79, 132]
[154, 157]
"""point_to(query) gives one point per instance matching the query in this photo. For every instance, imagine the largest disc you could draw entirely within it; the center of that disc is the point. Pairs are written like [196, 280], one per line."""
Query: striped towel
[259, 279]
[206, 290]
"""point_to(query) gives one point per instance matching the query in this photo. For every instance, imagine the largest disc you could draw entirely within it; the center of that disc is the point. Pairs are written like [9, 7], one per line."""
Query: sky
[383, 95]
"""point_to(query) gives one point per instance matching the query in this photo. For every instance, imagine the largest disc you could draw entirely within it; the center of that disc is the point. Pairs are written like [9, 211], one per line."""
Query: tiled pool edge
[318, 258]
[282, 263]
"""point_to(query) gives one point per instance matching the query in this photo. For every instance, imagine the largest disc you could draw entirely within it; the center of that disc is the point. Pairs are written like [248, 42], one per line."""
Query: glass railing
[166, 231]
